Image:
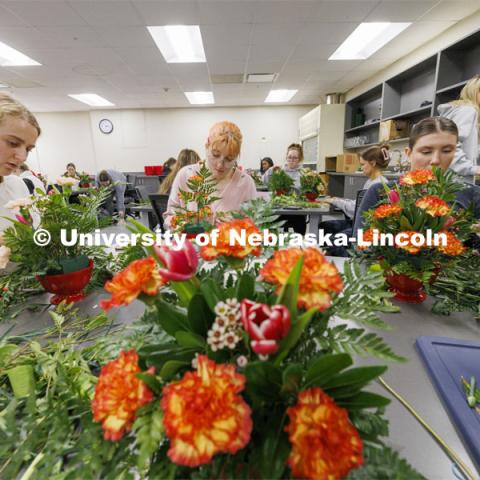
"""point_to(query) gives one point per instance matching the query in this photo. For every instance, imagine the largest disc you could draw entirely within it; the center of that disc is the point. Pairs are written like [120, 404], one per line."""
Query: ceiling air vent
[218, 79]
[261, 77]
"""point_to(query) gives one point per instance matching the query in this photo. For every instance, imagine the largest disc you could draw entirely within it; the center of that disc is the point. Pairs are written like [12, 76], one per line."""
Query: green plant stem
[448, 450]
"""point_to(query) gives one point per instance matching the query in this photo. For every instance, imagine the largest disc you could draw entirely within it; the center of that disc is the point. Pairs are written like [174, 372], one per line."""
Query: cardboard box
[344, 162]
[393, 129]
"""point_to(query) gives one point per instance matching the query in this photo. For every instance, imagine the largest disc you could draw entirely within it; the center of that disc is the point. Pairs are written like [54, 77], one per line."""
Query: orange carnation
[407, 242]
[205, 415]
[453, 247]
[318, 281]
[417, 177]
[141, 276]
[433, 205]
[325, 445]
[367, 237]
[244, 228]
[387, 210]
[119, 394]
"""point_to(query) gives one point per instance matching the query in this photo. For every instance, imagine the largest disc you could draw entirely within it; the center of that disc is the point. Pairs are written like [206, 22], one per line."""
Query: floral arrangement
[84, 180]
[311, 182]
[257, 178]
[280, 182]
[42, 252]
[419, 204]
[193, 215]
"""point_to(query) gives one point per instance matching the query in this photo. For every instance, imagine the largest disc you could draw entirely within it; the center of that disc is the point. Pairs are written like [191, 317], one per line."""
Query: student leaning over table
[233, 186]
[19, 131]
[465, 112]
[432, 143]
[117, 182]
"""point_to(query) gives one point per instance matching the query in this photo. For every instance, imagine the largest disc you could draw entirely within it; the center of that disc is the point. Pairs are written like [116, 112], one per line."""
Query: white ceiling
[103, 47]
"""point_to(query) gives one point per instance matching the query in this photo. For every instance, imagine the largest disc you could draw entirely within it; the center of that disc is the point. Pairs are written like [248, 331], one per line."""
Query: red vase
[311, 196]
[406, 289]
[281, 191]
[67, 286]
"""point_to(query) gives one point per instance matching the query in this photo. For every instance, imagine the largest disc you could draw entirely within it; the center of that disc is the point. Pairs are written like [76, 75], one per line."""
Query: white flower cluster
[226, 330]
[67, 181]
[19, 202]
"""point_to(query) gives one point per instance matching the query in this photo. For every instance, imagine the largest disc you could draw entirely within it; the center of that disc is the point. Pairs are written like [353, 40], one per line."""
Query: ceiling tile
[9, 19]
[284, 12]
[226, 12]
[407, 11]
[453, 10]
[103, 13]
[343, 11]
[45, 13]
[165, 12]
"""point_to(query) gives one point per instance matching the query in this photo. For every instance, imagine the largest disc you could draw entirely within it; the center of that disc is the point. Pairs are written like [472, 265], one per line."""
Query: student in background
[294, 159]
[185, 157]
[168, 166]
[117, 182]
[71, 171]
[432, 142]
[233, 186]
[465, 112]
[265, 164]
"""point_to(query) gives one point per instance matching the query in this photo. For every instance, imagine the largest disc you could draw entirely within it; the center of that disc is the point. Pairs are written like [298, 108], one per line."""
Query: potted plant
[44, 237]
[416, 210]
[280, 182]
[194, 214]
[84, 180]
[311, 184]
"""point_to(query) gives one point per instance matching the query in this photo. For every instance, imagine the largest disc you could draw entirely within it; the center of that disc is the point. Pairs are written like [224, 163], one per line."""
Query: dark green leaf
[323, 369]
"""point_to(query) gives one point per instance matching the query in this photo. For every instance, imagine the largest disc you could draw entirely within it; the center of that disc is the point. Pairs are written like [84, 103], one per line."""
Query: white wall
[149, 137]
[445, 39]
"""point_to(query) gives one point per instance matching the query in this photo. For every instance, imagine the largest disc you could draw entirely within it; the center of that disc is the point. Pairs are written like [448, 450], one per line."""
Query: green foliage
[280, 181]
[311, 182]
[384, 463]
[56, 214]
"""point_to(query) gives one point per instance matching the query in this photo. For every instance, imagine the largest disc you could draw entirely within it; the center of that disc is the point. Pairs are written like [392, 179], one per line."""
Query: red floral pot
[281, 191]
[67, 286]
[311, 196]
[84, 185]
[406, 289]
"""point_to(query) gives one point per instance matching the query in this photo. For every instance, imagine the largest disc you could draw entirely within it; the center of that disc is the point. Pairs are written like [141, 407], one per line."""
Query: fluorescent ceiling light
[179, 43]
[366, 39]
[92, 99]
[261, 77]
[200, 98]
[3, 85]
[9, 57]
[280, 96]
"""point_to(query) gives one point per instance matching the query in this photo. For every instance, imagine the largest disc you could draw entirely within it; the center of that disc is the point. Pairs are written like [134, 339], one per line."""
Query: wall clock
[106, 126]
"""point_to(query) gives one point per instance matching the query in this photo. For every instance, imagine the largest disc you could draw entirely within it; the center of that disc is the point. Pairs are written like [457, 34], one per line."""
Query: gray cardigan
[466, 155]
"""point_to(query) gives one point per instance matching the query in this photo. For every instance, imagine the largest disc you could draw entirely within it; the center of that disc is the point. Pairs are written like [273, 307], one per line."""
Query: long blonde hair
[9, 107]
[185, 157]
[469, 95]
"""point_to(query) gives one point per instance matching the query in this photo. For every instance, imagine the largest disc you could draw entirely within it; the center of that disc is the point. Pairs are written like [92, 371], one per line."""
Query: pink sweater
[241, 188]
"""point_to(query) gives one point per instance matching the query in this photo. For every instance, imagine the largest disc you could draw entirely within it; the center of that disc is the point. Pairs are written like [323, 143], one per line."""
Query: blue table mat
[447, 360]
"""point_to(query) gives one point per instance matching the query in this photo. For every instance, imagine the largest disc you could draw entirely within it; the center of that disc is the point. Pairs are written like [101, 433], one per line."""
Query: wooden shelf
[362, 127]
[410, 114]
[452, 87]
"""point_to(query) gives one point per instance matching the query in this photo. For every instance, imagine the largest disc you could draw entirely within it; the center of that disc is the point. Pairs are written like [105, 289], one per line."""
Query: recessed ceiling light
[278, 96]
[261, 77]
[200, 98]
[9, 57]
[4, 85]
[92, 99]
[366, 39]
[179, 43]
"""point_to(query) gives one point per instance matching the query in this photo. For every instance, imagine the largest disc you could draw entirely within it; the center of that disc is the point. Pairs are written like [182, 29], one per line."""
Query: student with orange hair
[233, 186]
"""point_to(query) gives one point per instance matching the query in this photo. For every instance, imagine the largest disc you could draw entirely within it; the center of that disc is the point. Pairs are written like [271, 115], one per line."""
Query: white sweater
[11, 188]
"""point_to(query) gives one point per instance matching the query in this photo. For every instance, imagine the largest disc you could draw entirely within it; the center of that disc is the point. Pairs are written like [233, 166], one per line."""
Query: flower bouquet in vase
[193, 215]
[246, 379]
[414, 232]
[311, 184]
[280, 182]
[84, 180]
[44, 237]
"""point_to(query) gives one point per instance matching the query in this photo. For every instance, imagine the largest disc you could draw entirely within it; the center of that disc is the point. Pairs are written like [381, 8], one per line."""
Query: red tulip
[393, 196]
[180, 265]
[264, 325]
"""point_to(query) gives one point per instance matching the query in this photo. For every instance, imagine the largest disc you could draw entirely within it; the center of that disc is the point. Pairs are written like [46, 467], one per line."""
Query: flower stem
[448, 451]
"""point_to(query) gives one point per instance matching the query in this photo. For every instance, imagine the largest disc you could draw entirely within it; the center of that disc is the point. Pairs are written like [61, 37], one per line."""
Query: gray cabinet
[344, 185]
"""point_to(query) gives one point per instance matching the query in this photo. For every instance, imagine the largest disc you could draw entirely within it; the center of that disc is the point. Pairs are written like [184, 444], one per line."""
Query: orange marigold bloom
[195, 178]
[205, 415]
[367, 237]
[433, 205]
[223, 247]
[119, 394]
[325, 445]
[318, 280]
[387, 210]
[417, 177]
[453, 247]
[141, 276]
[407, 239]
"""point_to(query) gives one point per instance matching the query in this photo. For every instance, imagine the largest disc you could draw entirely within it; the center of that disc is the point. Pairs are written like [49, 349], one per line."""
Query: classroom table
[409, 379]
